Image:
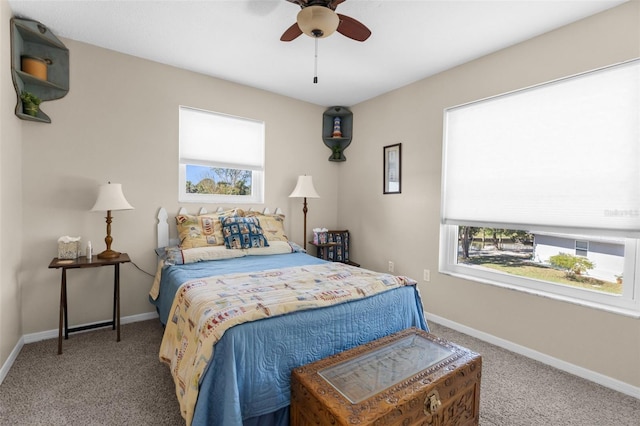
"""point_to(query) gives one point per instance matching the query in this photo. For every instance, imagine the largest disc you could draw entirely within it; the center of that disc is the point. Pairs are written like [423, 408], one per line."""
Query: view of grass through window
[214, 180]
[561, 260]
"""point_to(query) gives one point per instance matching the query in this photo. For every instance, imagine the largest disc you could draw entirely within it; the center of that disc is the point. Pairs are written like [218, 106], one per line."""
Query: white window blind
[563, 156]
[211, 139]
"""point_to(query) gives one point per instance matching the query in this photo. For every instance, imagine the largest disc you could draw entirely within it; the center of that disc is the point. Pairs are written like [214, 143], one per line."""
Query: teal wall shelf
[337, 142]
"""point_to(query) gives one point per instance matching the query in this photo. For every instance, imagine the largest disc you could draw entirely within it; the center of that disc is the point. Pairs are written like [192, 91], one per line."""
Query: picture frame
[392, 167]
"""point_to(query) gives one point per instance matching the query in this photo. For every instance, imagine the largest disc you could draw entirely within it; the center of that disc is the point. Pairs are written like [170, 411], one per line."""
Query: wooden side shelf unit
[32, 39]
[337, 144]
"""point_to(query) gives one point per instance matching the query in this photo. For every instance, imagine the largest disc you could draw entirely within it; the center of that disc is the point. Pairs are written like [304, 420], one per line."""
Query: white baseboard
[51, 334]
[12, 358]
[590, 375]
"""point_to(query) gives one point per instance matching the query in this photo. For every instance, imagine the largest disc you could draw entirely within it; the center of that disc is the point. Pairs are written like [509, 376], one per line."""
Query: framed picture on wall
[392, 168]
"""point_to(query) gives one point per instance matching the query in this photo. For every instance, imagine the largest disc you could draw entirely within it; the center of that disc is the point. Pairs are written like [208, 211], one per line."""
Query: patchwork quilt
[204, 309]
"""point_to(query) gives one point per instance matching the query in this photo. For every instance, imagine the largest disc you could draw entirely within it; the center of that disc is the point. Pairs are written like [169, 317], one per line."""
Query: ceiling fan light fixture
[318, 21]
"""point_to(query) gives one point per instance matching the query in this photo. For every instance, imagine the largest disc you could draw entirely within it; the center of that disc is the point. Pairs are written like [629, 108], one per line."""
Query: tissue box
[68, 250]
[320, 237]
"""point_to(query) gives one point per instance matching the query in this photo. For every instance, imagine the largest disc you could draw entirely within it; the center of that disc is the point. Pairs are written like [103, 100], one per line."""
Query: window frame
[628, 303]
[256, 197]
[608, 98]
[257, 174]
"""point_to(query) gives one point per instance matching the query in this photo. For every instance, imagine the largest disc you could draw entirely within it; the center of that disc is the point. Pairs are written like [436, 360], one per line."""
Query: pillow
[200, 254]
[174, 255]
[272, 225]
[202, 230]
[296, 248]
[242, 232]
[275, 247]
[171, 255]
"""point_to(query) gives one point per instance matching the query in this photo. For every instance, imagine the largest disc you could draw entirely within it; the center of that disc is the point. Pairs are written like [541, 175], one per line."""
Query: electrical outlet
[426, 275]
[391, 266]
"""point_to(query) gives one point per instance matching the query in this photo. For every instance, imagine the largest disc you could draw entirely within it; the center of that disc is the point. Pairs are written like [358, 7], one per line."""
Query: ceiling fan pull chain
[315, 65]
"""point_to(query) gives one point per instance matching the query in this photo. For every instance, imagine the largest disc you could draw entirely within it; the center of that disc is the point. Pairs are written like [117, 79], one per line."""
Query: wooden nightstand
[81, 263]
[321, 249]
[336, 249]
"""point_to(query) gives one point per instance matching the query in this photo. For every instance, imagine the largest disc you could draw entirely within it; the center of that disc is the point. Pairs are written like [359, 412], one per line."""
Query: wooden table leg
[115, 294]
[116, 285]
[63, 303]
[65, 307]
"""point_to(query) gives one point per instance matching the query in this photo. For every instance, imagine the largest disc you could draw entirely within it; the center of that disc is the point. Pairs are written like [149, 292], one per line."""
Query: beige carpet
[98, 381]
[517, 391]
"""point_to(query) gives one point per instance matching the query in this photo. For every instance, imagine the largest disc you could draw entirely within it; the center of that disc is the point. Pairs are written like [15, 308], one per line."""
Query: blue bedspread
[248, 380]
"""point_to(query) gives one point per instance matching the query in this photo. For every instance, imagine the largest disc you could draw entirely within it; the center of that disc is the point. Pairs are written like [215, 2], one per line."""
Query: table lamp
[110, 197]
[304, 189]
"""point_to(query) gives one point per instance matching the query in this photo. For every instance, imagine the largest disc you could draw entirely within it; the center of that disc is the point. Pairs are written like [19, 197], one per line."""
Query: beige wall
[10, 202]
[119, 123]
[405, 228]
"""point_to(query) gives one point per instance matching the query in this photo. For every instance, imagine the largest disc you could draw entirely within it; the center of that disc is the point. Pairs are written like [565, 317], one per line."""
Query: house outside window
[221, 158]
[533, 166]
[606, 254]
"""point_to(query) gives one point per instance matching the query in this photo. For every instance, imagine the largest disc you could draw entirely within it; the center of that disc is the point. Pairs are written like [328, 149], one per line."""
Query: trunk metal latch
[432, 403]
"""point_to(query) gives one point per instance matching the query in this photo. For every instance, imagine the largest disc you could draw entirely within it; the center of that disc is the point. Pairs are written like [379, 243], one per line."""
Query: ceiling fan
[318, 19]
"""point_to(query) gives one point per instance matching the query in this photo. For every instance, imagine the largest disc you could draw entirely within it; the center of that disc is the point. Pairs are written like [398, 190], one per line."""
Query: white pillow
[275, 247]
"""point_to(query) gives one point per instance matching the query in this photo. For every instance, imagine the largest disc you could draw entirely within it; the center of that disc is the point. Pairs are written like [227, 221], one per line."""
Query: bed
[242, 378]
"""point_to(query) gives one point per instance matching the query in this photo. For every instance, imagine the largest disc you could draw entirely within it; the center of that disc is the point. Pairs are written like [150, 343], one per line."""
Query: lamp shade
[304, 188]
[317, 21]
[110, 197]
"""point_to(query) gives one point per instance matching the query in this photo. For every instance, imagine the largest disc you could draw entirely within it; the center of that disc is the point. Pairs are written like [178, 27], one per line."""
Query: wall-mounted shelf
[340, 143]
[31, 38]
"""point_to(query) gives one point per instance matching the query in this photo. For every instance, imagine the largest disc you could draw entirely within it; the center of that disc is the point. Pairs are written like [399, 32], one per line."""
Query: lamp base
[109, 254]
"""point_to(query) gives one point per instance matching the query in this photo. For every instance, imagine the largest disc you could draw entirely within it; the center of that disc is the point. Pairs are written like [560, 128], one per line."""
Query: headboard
[163, 235]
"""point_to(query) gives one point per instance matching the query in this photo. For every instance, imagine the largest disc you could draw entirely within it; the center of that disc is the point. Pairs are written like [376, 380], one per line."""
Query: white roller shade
[562, 155]
[208, 138]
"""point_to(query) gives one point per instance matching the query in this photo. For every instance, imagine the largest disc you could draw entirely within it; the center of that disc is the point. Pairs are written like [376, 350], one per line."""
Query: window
[561, 162]
[545, 257]
[221, 158]
[582, 248]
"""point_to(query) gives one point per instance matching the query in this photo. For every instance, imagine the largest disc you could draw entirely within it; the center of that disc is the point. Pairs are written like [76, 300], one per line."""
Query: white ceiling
[238, 40]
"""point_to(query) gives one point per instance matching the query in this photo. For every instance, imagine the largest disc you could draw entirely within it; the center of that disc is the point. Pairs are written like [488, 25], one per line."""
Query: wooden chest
[408, 378]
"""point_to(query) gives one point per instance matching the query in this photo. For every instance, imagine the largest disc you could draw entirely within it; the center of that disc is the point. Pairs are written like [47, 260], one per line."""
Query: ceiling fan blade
[352, 28]
[331, 4]
[291, 33]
